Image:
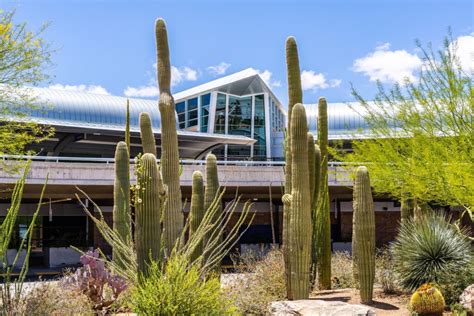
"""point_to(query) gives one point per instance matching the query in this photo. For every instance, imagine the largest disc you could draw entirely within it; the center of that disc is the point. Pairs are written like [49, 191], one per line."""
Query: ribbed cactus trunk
[323, 221]
[295, 95]
[212, 189]
[121, 211]
[173, 221]
[146, 134]
[314, 209]
[148, 214]
[364, 234]
[300, 226]
[311, 166]
[197, 211]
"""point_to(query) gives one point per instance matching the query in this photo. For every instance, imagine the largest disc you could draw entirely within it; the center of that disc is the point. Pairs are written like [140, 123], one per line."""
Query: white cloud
[142, 92]
[465, 52]
[151, 90]
[81, 88]
[388, 66]
[219, 69]
[266, 76]
[312, 81]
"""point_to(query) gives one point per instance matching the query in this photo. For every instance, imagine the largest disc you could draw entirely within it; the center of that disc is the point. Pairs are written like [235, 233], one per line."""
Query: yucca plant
[427, 250]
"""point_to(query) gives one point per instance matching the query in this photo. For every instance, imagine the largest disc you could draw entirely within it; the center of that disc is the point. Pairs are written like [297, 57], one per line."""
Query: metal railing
[132, 161]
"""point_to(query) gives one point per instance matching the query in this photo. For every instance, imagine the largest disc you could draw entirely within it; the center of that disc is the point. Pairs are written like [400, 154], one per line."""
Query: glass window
[240, 123]
[205, 103]
[260, 147]
[181, 109]
[219, 127]
[192, 112]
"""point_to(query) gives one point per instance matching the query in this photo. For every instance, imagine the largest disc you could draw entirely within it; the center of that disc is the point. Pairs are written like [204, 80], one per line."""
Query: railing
[132, 161]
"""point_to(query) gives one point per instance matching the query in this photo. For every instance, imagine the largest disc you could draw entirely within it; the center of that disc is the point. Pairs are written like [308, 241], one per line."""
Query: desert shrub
[429, 249]
[453, 284]
[384, 272]
[53, 298]
[259, 281]
[96, 282]
[341, 270]
[178, 289]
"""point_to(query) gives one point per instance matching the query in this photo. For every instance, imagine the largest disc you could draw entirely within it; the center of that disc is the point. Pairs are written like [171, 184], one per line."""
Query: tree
[23, 58]
[421, 133]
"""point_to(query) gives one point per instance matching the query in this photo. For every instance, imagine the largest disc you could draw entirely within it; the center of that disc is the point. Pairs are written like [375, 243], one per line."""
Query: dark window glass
[192, 112]
[219, 127]
[260, 148]
[205, 102]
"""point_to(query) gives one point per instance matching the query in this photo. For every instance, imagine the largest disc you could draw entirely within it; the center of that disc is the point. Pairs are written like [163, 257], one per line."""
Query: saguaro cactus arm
[146, 134]
[197, 210]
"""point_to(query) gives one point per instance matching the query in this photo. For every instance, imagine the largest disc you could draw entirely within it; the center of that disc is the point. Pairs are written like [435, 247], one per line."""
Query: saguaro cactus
[314, 209]
[146, 134]
[295, 95]
[299, 201]
[364, 234]
[121, 210]
[311, 165]
[323, 220]
[197, 210]
[148, 213]
[173, 214]
[212, 189]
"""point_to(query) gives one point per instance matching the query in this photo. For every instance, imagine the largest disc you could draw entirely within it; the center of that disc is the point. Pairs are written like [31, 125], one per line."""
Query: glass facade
[192, 112]
[181, 110]
[277, 117]
[239, 123]
[260, 147]
[220, 121]
[205, 103]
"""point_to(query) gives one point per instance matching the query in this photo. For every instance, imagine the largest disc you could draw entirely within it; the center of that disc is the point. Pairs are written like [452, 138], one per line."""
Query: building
[237, 117]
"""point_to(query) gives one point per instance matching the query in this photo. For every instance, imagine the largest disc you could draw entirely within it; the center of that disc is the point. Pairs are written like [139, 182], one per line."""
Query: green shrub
[429, 249]
[261, 280]
[453, 284]
[178, 289]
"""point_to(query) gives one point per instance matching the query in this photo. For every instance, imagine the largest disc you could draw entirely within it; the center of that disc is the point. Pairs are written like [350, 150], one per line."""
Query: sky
[108, 46]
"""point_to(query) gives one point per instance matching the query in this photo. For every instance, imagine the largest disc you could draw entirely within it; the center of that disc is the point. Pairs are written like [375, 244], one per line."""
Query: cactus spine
[148, 213]
[173, 215]
[323, 220]
[314, 209]
[295, 95]
[299, 201]
[427, 300]
[364, 234]
[197, 210]
[121, 210]
[311, 165]
[146, 134]
[212, 190]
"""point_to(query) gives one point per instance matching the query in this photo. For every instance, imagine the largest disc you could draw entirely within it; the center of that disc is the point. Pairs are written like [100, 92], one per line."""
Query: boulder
[467, 298]
[319, 307]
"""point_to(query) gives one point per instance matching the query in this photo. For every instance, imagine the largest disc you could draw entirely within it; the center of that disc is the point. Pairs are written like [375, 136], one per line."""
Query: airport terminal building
[236, 117]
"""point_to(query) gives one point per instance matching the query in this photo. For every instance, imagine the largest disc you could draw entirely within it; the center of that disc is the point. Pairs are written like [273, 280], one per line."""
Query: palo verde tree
[23, 58]
[421, 133]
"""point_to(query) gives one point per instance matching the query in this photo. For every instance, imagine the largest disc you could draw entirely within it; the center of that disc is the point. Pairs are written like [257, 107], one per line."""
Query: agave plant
[429, 249]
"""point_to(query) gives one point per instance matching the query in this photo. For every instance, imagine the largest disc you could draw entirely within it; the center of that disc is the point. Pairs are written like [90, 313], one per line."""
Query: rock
[467, 298]
[319, 307]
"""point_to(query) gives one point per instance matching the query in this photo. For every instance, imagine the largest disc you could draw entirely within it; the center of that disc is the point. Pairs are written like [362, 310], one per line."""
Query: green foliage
[299, 228]
[323, 221]
[173, 219]
[428, 250]
[364, 234]
[23, 55]
[179, 289]
[121, 211]
[258, 282]
[453, 284]
[428, 156]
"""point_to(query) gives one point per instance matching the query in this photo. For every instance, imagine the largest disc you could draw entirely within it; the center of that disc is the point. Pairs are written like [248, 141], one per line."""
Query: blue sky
[109, 47]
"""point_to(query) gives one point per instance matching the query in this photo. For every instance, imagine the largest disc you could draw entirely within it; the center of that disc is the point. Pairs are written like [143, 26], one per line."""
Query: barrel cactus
[146, 134]
[427, 300]
[197, 210]
[121, 209]
[364, 234]
[173, 221]
[323, 221]
[148, 213]
[295, 95]
[299, 201]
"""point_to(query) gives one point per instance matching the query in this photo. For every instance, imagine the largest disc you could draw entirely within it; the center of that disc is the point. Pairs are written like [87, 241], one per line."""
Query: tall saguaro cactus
[173, 213]
[146, 134]
[295, 95]
[364, 234]
[212, 190]
[299, 201]
[121, 210]
[197, 210]
[314, 209]
[148, 213]
[323, 221]
[311, 165]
